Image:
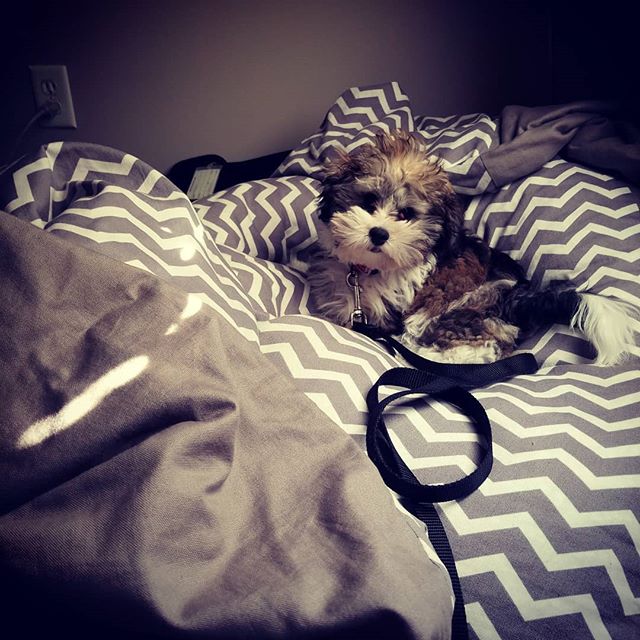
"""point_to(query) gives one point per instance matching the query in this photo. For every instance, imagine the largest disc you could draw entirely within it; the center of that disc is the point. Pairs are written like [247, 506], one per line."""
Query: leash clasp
[353, 281]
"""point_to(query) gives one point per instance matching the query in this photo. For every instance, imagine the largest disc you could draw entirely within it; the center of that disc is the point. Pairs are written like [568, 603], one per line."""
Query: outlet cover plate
[51, 82]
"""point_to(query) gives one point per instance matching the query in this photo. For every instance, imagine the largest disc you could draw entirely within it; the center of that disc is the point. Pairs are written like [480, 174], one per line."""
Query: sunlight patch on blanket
[194, 304]
[188, 250]
[83, 404]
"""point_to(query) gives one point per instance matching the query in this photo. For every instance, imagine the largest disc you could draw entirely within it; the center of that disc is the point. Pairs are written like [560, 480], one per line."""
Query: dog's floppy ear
[337, 164]
[337, 173]
[450, 211]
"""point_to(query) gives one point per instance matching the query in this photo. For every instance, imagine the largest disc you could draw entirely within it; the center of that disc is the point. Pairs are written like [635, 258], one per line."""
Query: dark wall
[169, 79]
[595, 53]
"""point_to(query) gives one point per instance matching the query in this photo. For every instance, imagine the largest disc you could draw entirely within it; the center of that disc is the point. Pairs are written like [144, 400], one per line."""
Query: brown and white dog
[390, 213]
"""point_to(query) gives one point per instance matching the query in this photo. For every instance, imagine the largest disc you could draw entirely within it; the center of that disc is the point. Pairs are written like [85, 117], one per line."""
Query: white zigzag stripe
[618, 451]
[456, 121]
[564, 389]
[188, 245]
[512, 204]
[569, 246]
[596, 379]
[505, 457]
[549, 335]
[423, 425]
[323, 402]
[293, 226]
[184, 202]
[397, 92]
[24, 195]
[456, 129]
[187, 270]
[595, 251]
[59, 195]
[345, 142]
[463, 139]
[183, 207]
[545, 485]
[356, 342]
[565, 508]
[479, 621]
[299, 371]
[268, 188]
[220, 235]
[303, 163]
[438, 134]
[320, 349]
[226, 215]
[201, 208]
[85, 165]
[286, 276]
[255, 285]
[597, 420]
[612, 291]
[558, 202]
[563, 225]
[53, 150]
[381, 97]
[331, 118]
[282, 289]
[480, 186]
[245, 227]
[562, 357]
[584, 474]
[353, 342]
[470, 211]
[263, 272]
[529, 608]
[550, 558]
[152, 179]
[461, 166]
[140, 265]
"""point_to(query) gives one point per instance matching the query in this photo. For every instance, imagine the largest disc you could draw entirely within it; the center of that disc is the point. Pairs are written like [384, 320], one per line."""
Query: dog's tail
[606, 322]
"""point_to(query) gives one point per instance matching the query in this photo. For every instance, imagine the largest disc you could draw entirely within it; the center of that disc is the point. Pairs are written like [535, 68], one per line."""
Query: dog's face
[386, 206]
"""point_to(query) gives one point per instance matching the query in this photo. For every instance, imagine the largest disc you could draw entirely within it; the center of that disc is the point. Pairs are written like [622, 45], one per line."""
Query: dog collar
[361, 268]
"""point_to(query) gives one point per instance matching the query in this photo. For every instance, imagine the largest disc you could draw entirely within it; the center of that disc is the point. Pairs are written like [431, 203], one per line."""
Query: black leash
[448, 382]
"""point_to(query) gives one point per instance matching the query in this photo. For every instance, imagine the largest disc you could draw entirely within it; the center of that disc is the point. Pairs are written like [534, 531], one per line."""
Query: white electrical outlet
[51, 82]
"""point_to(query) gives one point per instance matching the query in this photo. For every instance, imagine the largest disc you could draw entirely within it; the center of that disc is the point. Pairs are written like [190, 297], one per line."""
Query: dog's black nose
[378, 235]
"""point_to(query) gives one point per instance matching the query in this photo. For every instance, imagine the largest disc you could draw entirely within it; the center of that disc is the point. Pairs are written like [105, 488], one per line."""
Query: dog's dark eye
[406, 213]
[369, 202]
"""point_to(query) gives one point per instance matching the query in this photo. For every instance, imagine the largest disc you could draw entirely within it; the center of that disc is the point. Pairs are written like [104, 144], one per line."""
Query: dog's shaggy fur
[391, 213]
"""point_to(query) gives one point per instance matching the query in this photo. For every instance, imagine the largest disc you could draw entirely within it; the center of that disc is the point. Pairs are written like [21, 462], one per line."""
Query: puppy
[390, 218]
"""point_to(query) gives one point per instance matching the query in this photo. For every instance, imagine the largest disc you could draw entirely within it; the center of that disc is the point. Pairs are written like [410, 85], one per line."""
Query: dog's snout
[378, 235]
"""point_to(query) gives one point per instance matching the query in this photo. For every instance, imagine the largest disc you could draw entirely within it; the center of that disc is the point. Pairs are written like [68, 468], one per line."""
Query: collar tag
[353, 281]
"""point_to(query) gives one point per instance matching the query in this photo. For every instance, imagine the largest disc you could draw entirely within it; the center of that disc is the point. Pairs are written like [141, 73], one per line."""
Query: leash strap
[448, 382]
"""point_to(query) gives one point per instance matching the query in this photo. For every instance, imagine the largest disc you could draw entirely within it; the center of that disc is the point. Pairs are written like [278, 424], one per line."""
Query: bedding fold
[161, 478]
[586, 132]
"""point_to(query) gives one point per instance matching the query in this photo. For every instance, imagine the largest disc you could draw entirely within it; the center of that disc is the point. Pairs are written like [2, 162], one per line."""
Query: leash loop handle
[448, 382]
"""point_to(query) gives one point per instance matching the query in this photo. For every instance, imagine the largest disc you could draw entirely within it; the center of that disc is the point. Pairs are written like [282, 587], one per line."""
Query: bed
[183, 438]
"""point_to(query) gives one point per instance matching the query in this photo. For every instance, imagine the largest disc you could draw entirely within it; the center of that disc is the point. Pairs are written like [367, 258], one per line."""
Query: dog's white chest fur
[380, 293]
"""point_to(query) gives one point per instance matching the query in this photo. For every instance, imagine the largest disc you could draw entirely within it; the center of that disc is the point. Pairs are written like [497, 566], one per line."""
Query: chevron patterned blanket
[548, 546]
